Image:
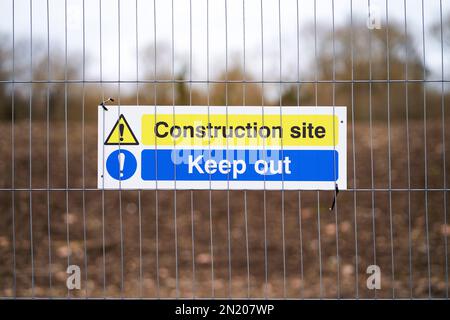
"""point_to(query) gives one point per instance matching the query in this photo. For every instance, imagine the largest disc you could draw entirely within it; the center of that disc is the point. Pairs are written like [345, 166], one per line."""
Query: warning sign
[187, 147]
[121, 133]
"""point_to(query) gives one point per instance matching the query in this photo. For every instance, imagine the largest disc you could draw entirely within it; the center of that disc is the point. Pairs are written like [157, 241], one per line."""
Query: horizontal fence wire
[224, 81]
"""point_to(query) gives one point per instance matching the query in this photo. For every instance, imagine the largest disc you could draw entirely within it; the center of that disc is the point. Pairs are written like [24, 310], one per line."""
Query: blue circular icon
[121, 164]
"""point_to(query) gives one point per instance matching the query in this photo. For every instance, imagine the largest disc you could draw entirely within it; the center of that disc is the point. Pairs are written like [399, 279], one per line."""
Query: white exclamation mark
[121, 157]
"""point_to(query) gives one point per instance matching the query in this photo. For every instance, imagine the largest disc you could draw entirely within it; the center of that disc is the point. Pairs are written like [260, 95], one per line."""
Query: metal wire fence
[386, 61]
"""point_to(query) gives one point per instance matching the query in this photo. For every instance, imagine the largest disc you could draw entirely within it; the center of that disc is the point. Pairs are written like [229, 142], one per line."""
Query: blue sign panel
[239, 165]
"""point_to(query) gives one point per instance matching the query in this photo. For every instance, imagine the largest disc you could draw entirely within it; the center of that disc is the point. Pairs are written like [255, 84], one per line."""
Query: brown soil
[338, 271]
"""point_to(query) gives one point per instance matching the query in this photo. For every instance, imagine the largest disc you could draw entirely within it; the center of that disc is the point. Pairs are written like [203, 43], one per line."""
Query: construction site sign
[219, 147]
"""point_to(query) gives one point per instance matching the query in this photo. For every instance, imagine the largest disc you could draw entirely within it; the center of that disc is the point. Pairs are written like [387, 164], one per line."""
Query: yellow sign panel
[121, 134]
[253, 130]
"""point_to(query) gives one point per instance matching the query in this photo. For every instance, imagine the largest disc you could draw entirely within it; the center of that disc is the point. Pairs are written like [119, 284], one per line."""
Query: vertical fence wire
[228, 174]
[266, 264]
[211, 244]
[139, 191]
[66, 142]
[83, 169]
[372, 169]
[316, 66]
[408, 153]
[156, 158]
[441, 35]
[30, 167]
[302, 279]
[391, 225]
[425, 150]
[13, 171]
[121, 226]
[280, 88]
[49, 238]
[174, 166]
[244, 87]
[191, 193]
[103, 149]
[335, 191]
[355, 217]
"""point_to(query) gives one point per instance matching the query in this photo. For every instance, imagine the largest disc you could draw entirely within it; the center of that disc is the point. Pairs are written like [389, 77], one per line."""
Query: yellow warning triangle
[121, 134]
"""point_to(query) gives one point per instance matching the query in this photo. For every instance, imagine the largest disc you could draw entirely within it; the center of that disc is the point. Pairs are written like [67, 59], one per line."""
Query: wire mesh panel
[386, 61]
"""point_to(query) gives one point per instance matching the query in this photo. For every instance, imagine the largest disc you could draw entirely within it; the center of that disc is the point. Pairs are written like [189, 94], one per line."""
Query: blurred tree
[436, 30]
[40, 71]
[184, 92]
[156, 68]
[347, 54]
[378, 55]
[57, 70]
[5, 74]
[235, 91]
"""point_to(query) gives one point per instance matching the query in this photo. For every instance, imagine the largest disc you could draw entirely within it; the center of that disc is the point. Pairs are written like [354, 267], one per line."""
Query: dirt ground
[126, 242]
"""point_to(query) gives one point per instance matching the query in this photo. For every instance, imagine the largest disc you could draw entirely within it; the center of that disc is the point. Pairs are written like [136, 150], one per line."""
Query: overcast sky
[216, 27]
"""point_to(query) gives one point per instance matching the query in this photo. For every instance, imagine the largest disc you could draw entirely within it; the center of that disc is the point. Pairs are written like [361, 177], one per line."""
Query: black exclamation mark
[121, 128]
